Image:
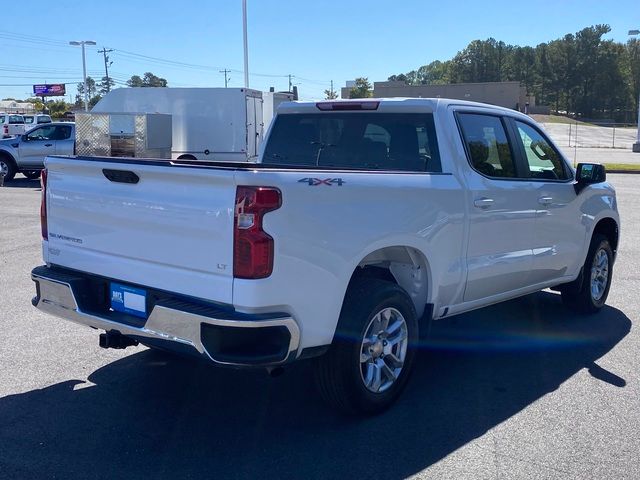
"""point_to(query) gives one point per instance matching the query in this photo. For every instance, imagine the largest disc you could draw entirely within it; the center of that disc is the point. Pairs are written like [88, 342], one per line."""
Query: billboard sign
[49, 90]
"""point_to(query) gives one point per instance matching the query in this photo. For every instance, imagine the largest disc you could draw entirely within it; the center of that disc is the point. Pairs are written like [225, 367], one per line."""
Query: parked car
[364, 221]
[11, 125]
[26, 153]
[33, 120]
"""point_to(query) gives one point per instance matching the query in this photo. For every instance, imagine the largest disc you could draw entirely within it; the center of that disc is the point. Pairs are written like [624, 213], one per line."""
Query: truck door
[38, 143]
[501, 219]
[251, 128]
[560, 235]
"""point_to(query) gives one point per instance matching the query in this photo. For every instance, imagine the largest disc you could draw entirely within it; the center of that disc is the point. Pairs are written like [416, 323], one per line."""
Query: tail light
[43, 205]
[6, 129]
[253, 248]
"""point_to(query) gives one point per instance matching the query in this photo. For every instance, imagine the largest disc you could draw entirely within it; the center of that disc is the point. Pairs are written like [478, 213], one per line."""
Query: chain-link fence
[579, 134]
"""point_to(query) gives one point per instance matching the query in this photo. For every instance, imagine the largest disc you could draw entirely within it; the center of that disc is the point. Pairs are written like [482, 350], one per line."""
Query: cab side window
[487, 145]
[42, 133]
[63, 132]
[543, 160]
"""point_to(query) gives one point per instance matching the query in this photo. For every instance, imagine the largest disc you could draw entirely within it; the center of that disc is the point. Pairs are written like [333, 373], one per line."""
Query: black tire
[338, 373]
[32, 174]
[8, 166]
[579, 295]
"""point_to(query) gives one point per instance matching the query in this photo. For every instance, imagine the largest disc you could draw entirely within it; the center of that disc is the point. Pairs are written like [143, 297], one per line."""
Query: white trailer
[271, 101]
[221, 124]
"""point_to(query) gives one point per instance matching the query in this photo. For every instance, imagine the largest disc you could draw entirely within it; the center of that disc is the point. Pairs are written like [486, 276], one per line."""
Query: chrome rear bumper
[174, 327]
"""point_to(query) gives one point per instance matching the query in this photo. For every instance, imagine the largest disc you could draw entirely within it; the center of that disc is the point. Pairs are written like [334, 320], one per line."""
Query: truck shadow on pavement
[154, 415]
[22, 182]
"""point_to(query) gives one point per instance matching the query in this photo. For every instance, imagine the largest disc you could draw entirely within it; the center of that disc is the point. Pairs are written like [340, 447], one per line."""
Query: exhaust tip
[115, 340]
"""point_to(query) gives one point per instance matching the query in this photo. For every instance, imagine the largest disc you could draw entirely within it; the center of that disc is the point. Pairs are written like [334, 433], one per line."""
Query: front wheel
[591, 295]
[372, 354]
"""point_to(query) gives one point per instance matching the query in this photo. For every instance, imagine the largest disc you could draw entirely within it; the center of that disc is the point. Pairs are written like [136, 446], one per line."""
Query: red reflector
[43, 205]
[366, 105]
[253, 248]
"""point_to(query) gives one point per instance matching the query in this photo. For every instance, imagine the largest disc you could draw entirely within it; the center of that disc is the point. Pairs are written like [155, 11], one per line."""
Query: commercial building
[505, 94]
[11, 106]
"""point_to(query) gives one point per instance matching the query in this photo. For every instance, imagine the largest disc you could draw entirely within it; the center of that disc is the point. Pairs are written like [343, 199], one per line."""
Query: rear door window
[16, 119]
[363, 141]
[486, 141]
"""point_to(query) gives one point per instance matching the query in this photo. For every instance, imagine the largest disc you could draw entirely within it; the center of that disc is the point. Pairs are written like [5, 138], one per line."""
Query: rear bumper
[224, 337]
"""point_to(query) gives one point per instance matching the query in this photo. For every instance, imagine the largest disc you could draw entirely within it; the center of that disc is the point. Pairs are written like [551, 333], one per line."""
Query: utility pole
[290, 84]
[331, 88]
[107, 64]
[226, 78]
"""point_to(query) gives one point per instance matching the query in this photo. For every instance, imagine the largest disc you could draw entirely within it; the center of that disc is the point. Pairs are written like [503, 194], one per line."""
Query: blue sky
[316, 41]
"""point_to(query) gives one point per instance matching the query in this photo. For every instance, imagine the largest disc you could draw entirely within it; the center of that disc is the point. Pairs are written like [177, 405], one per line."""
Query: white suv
[33, 120]
[11, 125]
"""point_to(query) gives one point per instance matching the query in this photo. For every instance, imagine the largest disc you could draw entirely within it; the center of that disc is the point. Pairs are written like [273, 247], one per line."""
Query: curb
[632, 172]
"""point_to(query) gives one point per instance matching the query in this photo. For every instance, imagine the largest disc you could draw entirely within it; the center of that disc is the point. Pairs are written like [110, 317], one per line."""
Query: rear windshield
[362, 140]
[2, 117]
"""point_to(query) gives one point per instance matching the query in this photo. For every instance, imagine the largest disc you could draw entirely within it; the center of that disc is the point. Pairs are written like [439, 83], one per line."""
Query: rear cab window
[355, 140]
[16, 119]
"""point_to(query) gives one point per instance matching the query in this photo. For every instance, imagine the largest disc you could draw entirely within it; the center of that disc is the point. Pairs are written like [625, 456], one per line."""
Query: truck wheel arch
[406, 266]
[608, 227]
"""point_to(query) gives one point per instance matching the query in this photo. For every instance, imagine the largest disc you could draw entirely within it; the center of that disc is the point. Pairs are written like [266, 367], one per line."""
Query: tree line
[96, 90]
[579, 74]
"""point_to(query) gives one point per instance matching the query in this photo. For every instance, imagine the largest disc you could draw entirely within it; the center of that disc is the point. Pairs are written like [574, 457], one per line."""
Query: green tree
[362, 89]
[147, 80]
[135, 81]
[106, 85]
[57, 108]
[91, 91]
[330, 94]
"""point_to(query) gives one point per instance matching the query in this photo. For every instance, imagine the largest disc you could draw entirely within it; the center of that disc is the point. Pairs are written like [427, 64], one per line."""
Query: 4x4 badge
[314, 182]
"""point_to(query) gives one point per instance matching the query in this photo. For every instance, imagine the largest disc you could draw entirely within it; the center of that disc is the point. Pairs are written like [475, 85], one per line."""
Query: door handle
[545, 200]
[483, 202]
[48, 144]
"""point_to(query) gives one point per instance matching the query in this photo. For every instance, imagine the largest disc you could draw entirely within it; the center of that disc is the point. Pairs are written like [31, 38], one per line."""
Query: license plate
[129, 300]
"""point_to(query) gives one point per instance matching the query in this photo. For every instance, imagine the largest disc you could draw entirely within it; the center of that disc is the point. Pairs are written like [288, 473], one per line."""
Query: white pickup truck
[364, 221]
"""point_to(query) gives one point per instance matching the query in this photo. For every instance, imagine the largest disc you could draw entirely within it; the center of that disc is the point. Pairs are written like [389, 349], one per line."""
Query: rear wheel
[372, 354]
[591, 295]
[32, 174]
[7, 168]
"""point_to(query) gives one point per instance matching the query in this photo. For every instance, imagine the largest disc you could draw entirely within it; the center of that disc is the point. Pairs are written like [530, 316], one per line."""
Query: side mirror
[589, 173]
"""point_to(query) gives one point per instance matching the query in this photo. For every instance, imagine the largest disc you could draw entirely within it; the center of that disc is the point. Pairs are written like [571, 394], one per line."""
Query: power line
[128, 55]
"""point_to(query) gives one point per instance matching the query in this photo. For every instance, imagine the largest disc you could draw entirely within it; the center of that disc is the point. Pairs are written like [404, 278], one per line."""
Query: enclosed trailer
[223, 124]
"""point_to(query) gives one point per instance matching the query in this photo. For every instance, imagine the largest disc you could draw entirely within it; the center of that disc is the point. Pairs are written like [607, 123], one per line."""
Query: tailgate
[173, 230]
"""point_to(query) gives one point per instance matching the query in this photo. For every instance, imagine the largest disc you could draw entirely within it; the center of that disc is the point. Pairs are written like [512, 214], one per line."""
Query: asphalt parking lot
[524, 389]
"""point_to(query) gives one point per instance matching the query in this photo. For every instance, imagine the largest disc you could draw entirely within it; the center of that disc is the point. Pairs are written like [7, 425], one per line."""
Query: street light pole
[84, 69]
[636, 146]
[246, 48]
